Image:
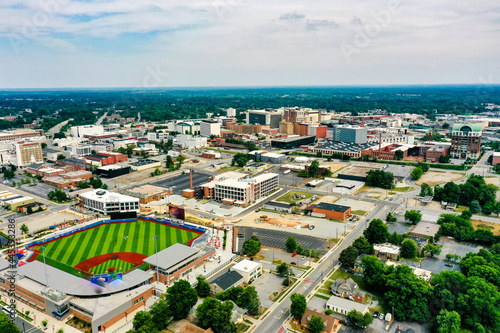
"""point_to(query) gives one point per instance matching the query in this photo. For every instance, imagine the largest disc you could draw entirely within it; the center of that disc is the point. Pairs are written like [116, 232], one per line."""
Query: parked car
[293, 263]
[381, 316]
[303, 257]
[294, 254]
[375, 314]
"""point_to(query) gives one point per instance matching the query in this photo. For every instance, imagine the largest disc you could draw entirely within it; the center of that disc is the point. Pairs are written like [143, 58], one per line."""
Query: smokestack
[191, 179]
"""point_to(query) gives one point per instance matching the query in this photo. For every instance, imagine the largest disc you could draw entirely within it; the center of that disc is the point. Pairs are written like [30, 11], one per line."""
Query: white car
[381, 316]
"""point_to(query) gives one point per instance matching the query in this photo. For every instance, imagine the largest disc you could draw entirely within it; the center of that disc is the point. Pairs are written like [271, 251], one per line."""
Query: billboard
[176, 212]
[122, 215]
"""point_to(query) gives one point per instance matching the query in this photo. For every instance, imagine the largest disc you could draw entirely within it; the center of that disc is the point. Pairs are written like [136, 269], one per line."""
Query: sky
[186, 43]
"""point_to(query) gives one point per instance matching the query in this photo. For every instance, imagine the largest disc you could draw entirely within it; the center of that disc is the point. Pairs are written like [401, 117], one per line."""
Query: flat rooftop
[103, 195]
[332, 207]
[171, 256]
[293, 138]
[144, 162]
[347, 146]
[76, 286]
[246, 266]
[426, 229]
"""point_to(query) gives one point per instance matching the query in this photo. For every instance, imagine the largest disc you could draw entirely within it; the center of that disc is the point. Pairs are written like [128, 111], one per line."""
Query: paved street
[275, 320]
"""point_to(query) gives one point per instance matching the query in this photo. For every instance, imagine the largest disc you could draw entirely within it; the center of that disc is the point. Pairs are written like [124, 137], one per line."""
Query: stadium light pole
[45, 267]
[156, 255]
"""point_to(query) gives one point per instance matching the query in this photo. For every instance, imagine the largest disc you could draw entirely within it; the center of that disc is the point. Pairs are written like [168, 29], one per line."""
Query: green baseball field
[118, 245]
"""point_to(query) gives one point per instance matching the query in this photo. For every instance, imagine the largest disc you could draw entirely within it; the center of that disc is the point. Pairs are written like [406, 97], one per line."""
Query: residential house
[347, 288]
[332, 325]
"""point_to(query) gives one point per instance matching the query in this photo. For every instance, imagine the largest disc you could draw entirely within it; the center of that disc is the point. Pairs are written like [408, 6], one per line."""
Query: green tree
[252, 246]
[313, 168]
[380, 178]
[409, 249]
[359, 319]
[376, 232]
[298, 306]
[29, 210]
[433, 249]
[414, 216]
[395, 238]
[283, 269]
[61, 157]
[348, 256]
[181, 297]
[216, 315]
[416, 173]
[391, 218]
[202, 287]
[181, 159]
[398, 155]
[474, 206]
[316, 324]
[425, 190]
[83, 184]
[160, 314]
[141, 319]
[24, 229]
[362, 245]
[291, 244]
[6, 326]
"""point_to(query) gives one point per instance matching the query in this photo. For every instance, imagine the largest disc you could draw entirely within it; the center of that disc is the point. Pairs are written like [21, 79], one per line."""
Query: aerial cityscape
[265, 167]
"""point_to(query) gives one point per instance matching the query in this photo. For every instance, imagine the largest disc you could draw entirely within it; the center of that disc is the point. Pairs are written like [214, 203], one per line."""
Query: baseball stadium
[111, 246]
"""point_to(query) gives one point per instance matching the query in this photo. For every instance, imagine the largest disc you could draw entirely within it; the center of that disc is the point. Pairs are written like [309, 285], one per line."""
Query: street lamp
[156, 255]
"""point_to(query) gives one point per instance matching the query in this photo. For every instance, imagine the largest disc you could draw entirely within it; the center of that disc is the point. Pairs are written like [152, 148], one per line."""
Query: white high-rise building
[106, 202]
[28, 153]
[81, 131]
[208, 128]
[231, 112]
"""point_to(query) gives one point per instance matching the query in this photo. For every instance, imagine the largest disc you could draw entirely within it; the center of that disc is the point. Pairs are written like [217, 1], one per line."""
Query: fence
[221, 266]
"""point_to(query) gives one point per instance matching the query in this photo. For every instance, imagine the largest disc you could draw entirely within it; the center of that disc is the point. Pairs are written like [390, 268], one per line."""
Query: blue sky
[150, 43]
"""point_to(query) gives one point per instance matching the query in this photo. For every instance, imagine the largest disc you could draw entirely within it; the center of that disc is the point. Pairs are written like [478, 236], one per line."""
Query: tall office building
[349, 133]
[466, 141]
[29, 153]
[267, 117]
[81, 131]
[208, 128]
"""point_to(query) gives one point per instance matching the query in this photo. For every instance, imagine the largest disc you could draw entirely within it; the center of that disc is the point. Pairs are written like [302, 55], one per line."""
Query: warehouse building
[147, 193]
[111, 171]
[331, 211]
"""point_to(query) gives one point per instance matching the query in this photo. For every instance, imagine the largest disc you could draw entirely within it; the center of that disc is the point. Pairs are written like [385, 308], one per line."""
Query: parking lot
[289, 179]
[437, 264]
[265, 286]
[277, 238]
[400, 228]
[182, 182]
[270, 255]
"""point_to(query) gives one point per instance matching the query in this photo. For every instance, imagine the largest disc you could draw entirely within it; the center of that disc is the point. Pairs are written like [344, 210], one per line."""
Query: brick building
[466, 141]
[331, 211]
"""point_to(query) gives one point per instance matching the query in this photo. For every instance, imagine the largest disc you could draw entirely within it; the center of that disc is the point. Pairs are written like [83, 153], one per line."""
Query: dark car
[375, 314]
[293, 263]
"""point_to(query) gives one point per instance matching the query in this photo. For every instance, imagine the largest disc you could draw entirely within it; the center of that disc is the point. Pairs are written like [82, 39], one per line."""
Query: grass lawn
[119, 265]
[460, 209]
[288, 197]
[403, 189]
[136, 237]
[358, 212]
[229, 168]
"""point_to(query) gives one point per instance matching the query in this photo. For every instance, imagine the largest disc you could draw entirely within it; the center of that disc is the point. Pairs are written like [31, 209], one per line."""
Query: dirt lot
[494, 227]
[438, 177]
[334, 167]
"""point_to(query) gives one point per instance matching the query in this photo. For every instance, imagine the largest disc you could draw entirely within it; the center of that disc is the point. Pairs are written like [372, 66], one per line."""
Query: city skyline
[229, 43]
